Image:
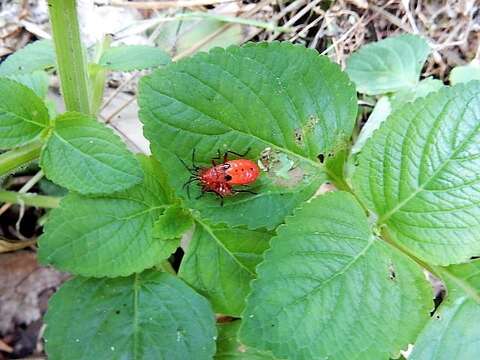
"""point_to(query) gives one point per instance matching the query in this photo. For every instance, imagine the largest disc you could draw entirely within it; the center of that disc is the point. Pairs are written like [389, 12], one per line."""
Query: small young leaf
[133, 57]
[378, 115]
[228, 346]
[23, 116]
[422, 89]
[385, 106]
[419, 174]
[227, 258]
[276, 99]
[328, 288]
[388, 65]
[465, 73]
[38, 55]
[37, 81]
[85, 156]
[146, 316]
[173, 223]
[109, 235]
[454, 330]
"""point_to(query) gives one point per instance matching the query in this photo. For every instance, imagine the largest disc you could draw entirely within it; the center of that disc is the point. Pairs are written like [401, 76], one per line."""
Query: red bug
[220, 178]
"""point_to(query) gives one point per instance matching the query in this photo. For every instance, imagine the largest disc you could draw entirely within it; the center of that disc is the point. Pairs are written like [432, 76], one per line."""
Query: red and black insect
[221, 178]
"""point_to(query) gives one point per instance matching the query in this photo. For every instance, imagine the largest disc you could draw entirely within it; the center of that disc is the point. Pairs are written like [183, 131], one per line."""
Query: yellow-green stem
[15, 158]
[71, 59]
[29, 199]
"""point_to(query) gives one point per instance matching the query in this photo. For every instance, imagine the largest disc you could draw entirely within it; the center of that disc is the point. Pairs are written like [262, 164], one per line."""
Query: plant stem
[29, 199]
[387, 238]
[71, 59]
[167, 267]
[17, 157]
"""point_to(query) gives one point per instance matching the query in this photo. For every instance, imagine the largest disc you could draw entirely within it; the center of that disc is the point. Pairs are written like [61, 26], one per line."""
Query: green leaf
[422, 89]
[38, 55]
[388, 65]
[109, 235]
[37, 81]
[23, 116]
[465, 73]
[146, 316]
[419, 174]
[133, 57]
[220, 263]
[85, 156]
[173, 223]
[454, 330]
[228, 346]
[276, 99]
[328, 288]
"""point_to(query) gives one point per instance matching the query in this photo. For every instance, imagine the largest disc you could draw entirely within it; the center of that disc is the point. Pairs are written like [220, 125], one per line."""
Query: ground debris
[25, 287]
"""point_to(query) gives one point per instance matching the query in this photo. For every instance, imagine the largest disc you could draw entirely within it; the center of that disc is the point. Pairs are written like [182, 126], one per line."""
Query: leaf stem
[388, 239]
[29, 199]
[14, 158]
[71, 59]
[167, 267]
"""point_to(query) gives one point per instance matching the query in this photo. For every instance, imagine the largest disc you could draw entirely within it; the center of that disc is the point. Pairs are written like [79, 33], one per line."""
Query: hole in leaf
[391, 270]
[299, 136]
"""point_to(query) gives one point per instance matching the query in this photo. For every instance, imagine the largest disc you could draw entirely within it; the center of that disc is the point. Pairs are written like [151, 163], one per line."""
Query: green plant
[343, 274]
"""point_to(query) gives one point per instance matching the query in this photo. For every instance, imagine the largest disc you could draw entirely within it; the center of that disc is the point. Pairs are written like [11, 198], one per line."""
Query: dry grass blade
[160, 5]
[7, 246]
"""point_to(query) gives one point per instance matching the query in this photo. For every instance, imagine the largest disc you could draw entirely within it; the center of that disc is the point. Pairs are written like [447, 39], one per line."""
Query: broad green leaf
[388, 65]
[328, 288]
[454, 330]
[38, 55]
[85, 156]
[228, 346]
[419, 174]
[133, 57]
[147, 316]
[220, 263]
[37, 81]
[173, 223]
[465, 73]
[276, 99]
[109, 235]
[23, 116]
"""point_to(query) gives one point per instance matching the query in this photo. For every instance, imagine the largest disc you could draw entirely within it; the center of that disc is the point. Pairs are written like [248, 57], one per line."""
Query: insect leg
[245, 191]
[193, 160]
[235, 153]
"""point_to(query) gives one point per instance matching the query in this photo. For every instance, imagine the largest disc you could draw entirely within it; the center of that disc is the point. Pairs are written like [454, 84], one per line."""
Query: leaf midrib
[331, 278]
[7, 112]
[77, 150]
[222, 245]
[135, 316]
[422, 187]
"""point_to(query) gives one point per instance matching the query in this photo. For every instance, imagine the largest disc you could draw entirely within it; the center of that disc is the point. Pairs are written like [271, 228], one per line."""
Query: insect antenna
[194, 165]
[192, 179]
[191, 170]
